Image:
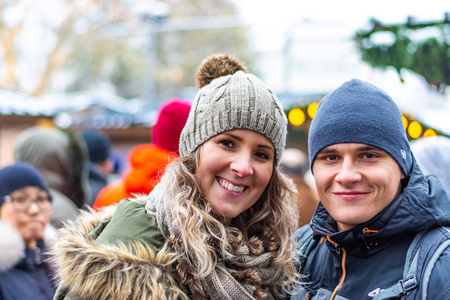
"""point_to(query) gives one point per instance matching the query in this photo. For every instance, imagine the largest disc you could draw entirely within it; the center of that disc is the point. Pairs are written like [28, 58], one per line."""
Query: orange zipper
[344, 271]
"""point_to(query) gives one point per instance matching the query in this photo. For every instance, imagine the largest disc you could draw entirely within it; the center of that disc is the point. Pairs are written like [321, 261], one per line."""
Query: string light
[296, 116]
[414, 129]
[311, 110]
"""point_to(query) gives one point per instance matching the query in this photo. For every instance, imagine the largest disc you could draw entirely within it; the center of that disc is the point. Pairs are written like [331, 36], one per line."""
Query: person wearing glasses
[25, 234]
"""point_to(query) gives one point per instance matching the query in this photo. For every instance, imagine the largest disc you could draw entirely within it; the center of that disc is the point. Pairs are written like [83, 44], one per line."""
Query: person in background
[294, 163]
[433, 156]
[219, 224]
[100, 163]
[25, 234]
[148, 161]
[374, 202]
[117, 162]
[62, 158]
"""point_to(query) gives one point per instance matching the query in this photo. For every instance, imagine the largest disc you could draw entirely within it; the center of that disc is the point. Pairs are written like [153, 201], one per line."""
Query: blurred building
[126, 122]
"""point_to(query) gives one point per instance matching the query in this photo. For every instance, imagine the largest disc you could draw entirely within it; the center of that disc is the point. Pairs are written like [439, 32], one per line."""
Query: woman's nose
[242, 165]
[33, 208]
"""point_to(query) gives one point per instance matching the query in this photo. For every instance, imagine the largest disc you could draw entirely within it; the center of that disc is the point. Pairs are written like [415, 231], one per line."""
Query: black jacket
[375, 260]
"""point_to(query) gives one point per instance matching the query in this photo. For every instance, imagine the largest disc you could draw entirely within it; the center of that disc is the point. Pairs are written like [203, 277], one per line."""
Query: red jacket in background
[147, 165]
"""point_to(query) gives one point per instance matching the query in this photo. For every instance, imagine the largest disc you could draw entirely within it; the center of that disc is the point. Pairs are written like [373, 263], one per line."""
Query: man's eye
[330, 157]
[369, 155]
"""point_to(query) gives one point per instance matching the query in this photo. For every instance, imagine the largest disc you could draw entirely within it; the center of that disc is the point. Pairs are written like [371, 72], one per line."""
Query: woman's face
[32, 221]
[235, 168]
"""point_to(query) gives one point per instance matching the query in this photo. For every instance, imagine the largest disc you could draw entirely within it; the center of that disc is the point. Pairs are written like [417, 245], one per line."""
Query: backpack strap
[401, 288]
[433, 259]
[422, 255]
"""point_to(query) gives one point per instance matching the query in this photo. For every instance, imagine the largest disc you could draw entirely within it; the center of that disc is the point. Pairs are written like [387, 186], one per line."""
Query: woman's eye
[262, 155]
[226, 143]
[20, 199]
[42, 199]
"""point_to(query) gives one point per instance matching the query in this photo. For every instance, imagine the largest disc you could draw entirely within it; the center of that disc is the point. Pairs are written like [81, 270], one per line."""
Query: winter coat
[121, 253]
[124, 256]
[374, 253]
[24, 275]
[146, 165]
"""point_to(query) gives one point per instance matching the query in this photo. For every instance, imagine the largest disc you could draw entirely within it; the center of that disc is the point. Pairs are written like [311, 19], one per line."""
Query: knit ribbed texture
[358, 112]
[238, 101]
[18, 176]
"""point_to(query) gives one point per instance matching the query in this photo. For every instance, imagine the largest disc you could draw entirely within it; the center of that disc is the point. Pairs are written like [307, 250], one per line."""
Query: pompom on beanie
[359, 112]
[20, 175]
[229, 99]
[171, 119]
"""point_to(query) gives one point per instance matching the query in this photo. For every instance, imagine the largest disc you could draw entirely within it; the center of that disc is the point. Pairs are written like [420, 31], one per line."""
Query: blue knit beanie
[358, 112]
[20, 175]
[98, 145]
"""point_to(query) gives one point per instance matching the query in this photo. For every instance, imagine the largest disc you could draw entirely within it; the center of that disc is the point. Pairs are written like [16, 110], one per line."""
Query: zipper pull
[37, 255]
[337, 248]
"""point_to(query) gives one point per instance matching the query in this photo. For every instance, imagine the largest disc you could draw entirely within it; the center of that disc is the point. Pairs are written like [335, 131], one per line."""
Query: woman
[25, 209]
[220, 223]
[62, 158]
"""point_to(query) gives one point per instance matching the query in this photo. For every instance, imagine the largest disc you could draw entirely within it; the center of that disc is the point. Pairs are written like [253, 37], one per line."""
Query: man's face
[355, 182]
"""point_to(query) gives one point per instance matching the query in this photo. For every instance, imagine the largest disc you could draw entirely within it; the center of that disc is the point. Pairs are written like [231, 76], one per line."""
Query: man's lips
[351, 195]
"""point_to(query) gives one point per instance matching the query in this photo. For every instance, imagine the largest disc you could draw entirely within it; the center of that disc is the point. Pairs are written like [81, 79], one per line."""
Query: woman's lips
[232, 187]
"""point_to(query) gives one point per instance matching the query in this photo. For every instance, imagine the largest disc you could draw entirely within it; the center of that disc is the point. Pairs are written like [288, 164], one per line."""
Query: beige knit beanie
[229, 99]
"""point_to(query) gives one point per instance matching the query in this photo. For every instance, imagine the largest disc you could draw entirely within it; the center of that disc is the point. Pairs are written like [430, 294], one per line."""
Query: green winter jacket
[119, 254]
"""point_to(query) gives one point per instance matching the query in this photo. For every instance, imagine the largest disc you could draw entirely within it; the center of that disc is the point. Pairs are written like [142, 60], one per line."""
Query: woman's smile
[230, 186]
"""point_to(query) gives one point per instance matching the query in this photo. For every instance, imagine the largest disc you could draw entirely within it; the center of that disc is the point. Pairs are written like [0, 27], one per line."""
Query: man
[100, 163]
[374, 200]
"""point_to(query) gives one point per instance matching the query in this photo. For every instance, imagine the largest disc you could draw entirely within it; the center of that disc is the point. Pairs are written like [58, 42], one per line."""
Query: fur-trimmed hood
[106, 271]
[12, 245]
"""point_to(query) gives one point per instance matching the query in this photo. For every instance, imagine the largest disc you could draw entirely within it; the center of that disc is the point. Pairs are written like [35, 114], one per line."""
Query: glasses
[22, 204]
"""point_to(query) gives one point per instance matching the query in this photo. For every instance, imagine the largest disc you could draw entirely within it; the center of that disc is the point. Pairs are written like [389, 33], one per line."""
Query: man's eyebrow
[368, 147]
[331, 149]
[328, 150]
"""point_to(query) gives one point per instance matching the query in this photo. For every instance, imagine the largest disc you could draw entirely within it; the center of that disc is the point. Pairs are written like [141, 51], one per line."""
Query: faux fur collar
[89, 270]
[12, 245]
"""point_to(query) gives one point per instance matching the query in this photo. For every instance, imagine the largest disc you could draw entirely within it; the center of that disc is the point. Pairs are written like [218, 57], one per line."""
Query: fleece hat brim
[359, 112]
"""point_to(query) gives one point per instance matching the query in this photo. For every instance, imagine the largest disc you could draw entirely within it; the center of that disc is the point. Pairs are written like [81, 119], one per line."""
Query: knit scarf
[247, 275]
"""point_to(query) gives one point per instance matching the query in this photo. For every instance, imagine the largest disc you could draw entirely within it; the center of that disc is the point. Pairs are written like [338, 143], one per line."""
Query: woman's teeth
[229, 186]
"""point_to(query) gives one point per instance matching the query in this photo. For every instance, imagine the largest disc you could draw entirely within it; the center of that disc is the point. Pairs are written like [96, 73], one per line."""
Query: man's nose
[348, 172]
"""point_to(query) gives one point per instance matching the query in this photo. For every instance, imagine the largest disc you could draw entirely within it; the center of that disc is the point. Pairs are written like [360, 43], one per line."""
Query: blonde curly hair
[203, 233]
